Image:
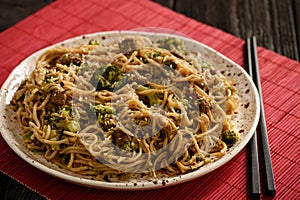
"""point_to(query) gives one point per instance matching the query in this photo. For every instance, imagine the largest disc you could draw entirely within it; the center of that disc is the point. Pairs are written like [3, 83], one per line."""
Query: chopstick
[255, 178]
[271, 189]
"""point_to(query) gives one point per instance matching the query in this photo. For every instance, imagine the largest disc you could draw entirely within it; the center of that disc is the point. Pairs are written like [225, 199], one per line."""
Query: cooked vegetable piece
[106, 78]
[70, 58]
[171, 44]
[151, 99]
[94, 42]
[230, 137]
[104, 115]
[127, 45]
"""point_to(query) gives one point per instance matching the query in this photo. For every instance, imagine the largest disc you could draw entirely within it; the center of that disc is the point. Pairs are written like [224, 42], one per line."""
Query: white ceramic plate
[246, 120]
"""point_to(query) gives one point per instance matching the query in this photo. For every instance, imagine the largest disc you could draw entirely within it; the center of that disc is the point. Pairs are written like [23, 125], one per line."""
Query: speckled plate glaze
[246, 120]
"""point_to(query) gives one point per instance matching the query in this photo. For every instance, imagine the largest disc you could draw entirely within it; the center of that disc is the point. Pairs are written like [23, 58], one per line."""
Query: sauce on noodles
[116, 109]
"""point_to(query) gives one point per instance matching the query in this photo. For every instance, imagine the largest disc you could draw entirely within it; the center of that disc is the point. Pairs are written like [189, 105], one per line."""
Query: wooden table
[275, 23]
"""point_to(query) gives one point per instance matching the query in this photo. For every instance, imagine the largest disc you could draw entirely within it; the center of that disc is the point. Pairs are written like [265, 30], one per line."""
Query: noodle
[163, 114]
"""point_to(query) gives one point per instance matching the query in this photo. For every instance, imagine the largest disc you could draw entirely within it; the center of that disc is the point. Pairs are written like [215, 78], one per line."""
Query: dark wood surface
[275, 23]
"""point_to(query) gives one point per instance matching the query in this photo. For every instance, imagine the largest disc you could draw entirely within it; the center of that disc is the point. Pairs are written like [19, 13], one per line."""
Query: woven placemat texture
[65, 19]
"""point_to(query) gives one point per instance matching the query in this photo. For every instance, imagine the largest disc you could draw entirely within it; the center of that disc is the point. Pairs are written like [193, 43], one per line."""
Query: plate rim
[126, 185]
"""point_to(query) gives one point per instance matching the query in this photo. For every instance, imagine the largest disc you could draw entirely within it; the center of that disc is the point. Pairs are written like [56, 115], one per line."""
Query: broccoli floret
[103, 109]
[64, 120]
[106, 78]
[230, 137]
[94, 42]
[104, 115]
[73, 126]
[151, 99]
[171, 44]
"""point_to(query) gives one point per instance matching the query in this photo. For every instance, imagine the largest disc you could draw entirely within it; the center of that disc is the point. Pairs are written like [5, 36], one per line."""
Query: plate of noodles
[128, 110]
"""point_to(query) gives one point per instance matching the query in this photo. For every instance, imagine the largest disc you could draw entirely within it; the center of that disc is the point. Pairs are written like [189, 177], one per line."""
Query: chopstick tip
[271, 192]
[255, 195]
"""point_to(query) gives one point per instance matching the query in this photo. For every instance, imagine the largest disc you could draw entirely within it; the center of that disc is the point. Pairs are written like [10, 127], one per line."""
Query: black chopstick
[253, 69]
[271, 189]
[255, 178]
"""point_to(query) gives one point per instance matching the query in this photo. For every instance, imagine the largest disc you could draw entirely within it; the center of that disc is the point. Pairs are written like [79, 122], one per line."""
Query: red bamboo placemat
[280, 84]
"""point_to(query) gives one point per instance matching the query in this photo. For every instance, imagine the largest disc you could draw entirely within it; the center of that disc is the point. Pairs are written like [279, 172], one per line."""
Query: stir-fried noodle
[126, 107]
